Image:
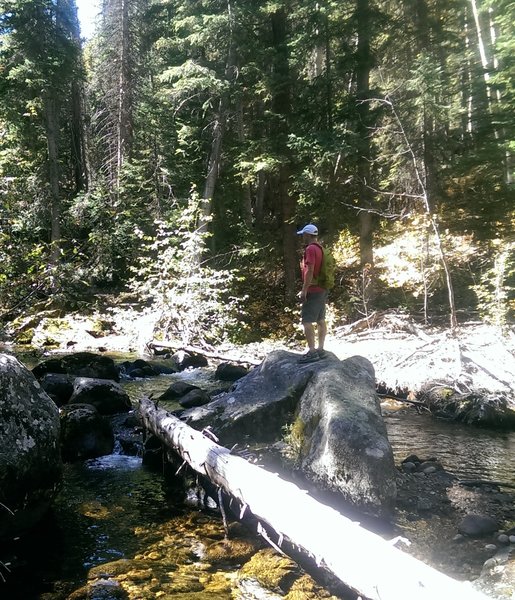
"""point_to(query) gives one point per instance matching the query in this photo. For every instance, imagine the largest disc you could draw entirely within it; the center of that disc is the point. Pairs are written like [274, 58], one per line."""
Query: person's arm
[308, 278]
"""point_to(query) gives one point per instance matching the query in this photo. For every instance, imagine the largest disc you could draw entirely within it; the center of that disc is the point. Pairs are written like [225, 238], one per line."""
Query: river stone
[104, 589]
[177, 390]
[58, 386]
[230, 372]
[80, 364]
[185, 360]
[497, 578]
[475, 525]
[137, 369]
[331, 407]
[193, 398]
[30, 459]
[85, 433]
[108, 397]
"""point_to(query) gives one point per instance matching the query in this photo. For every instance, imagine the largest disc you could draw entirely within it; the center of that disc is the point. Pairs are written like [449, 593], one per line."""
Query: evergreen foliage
[279, 114]
[193, 300]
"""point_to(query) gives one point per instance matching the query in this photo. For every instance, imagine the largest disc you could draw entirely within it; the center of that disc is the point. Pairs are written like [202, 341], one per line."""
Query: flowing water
[468, 452]
[112, 508]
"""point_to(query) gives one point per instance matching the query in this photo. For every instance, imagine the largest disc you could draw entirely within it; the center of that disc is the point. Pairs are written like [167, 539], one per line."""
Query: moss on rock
[272, 570]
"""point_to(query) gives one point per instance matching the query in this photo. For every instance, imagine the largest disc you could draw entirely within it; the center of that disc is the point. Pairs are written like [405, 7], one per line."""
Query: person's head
[309, 233]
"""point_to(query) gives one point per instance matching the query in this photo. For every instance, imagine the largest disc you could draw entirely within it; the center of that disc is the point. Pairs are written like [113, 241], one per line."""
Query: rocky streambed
[463, 530]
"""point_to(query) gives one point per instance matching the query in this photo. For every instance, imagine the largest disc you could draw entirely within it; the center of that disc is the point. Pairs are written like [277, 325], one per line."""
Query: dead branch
[196, 350]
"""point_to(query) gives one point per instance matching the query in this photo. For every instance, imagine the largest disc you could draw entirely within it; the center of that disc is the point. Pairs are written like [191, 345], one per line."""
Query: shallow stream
[113, 508]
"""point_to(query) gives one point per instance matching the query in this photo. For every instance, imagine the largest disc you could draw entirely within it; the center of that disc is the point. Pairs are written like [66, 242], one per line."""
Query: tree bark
[366, 219]
[281, 107]
[362, 560]
[52, 133]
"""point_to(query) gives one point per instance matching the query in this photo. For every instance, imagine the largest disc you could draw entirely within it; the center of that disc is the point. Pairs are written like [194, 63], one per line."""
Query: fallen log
[202, 352]
[362, 560]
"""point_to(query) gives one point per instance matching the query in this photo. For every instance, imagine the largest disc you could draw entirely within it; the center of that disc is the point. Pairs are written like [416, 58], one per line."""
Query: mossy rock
[55, 325]
[102, 590]
[24, 337]
[116, 568]
[306, 588]
[230, 551]
[272, 570]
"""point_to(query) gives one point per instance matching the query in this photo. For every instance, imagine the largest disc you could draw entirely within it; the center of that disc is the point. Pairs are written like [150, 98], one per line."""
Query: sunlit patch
[96, 510]
[114, 461]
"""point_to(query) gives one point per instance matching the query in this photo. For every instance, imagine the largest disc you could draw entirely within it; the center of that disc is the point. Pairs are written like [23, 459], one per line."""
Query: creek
[112, 508]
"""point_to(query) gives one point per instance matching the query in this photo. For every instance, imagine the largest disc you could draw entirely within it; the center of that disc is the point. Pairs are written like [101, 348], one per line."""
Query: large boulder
[107, 396]
[341, 437]
[30, 458]
[332, 416]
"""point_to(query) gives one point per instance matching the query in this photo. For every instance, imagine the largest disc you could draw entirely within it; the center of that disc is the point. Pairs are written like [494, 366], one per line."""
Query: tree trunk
[289, 235]
[116, 79]
[52, 133]
[213, 165]
[281, 107]
[366, 219]
[432, 220]
[428, 178]
[215, 157]
[124, 126]
[260, 198]
[362, 560]
[70, 23]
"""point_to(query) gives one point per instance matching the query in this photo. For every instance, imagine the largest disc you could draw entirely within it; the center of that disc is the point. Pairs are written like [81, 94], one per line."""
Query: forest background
[168, 161]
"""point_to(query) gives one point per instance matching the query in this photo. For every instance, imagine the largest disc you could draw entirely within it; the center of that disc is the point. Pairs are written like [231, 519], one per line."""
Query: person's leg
[310, 315]
[322, 332]
[309, 332]
[322, 326]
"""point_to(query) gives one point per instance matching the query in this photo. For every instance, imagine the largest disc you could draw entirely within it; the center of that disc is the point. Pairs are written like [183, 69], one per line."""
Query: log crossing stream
[113, 510]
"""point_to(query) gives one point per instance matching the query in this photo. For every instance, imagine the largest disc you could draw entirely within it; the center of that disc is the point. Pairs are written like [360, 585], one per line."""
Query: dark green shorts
[313, 309]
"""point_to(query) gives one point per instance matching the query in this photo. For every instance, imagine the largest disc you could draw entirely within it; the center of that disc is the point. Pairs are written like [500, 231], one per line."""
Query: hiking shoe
[322, 353]
[310, 356]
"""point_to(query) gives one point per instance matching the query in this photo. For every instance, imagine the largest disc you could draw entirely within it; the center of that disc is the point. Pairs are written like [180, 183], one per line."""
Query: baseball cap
[309, 229]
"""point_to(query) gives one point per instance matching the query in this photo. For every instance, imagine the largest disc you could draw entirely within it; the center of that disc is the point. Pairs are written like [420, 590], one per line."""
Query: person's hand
[302, 296]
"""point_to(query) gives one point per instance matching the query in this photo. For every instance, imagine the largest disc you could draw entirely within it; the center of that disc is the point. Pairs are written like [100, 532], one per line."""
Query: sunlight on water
[202, 378]
[114, 461]
[468, 452]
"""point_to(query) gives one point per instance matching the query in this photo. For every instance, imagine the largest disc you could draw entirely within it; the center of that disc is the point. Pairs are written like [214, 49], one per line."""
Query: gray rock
[108, 397]
[424, 504]
[80, 364]
[408, 467]
[30, 459]
[177, 390]
[85, 433]
[186, 360]
[475, 525]
[230, 372]
[58, 386]
[333, 413]
[429, 470]
[193, 398]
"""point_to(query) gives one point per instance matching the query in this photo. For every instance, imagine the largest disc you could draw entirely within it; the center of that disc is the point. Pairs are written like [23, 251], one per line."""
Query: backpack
[325, 277]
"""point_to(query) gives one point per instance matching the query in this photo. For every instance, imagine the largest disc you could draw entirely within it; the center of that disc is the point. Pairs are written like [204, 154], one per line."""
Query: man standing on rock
[313, 297]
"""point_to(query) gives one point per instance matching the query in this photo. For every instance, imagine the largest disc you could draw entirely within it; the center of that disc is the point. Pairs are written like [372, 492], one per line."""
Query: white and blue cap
[309, 229]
